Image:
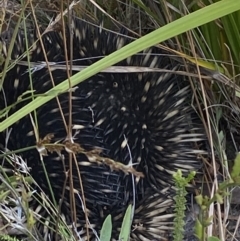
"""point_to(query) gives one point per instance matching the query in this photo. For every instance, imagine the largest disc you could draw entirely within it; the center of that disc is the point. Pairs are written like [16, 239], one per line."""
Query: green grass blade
[106, 231]
[126, 225]
[232, 34]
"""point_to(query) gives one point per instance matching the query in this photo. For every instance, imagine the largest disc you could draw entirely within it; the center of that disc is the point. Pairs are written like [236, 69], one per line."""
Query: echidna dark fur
[143, 118]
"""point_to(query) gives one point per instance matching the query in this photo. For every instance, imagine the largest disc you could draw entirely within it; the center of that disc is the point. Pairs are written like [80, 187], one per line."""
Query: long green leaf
[126, 225]
[106, 231]
[232, 32]
[193, 20]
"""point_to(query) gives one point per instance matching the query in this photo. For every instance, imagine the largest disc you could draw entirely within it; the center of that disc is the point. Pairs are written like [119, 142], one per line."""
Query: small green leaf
[199, 199]
[208, 221]
[126, 225]
[3, 195]
[213, 239]
[235, 174]
[106, 231]
[219, 198]
[198, 230]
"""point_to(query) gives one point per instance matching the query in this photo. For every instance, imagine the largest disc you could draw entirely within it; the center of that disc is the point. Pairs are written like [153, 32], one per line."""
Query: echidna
[142, 119]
